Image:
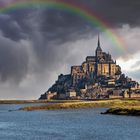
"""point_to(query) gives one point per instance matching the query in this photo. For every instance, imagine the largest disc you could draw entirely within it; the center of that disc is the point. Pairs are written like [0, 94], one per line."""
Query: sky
[37, 44]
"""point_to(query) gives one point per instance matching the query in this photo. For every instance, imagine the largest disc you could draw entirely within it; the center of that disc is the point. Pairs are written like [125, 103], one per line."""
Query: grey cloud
[134, 74]
[13, 60]
[117, 12]
[136, 65]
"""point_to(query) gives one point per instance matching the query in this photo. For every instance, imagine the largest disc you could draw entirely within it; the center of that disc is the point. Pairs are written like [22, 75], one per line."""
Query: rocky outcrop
[123, 111]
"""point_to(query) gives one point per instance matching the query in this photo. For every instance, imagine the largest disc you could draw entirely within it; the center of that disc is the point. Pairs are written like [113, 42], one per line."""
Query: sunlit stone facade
[101, 64]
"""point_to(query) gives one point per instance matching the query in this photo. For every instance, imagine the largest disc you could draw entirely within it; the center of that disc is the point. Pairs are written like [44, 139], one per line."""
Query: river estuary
[79, 124]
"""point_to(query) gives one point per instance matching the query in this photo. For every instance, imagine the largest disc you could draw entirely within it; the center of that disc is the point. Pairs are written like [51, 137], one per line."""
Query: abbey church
[101, 64]
[97, 77]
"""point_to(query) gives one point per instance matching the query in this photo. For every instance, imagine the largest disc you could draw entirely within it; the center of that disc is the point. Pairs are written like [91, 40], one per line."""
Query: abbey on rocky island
[98, 77]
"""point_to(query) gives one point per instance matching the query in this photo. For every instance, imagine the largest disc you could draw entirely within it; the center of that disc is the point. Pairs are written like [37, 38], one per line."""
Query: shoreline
[68, 105]
[129, 107]
[35, 101]
[20, 101]
[117, 103]
[61, 101]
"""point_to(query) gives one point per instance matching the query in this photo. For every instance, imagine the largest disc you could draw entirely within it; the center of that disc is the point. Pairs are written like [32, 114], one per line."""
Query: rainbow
[71, 7]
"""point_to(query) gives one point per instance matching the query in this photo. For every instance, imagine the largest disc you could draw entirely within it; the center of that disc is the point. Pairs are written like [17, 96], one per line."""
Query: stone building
[101, 64]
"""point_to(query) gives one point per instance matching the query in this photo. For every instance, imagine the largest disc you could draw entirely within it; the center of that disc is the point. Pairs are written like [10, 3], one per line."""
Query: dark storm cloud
[10, 28]
[63, 25]
[44, 30]
[13, 60]
[117, 12]
[48, 29]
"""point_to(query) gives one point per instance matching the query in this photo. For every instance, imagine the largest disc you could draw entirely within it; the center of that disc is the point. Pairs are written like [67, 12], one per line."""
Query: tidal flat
[116, 106]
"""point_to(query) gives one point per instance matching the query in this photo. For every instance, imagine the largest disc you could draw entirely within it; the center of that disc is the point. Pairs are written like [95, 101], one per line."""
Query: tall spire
[98, 45]
[98, 40]
[98, 51]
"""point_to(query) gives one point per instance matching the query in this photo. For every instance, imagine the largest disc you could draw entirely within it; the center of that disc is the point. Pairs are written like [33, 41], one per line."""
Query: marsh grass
[118, 103]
